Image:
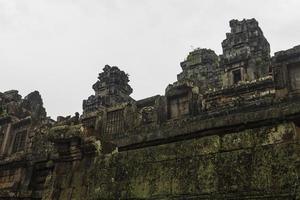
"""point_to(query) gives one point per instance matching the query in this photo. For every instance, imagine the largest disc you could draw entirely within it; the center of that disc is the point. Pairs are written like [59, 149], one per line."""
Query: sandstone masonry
[228, 128]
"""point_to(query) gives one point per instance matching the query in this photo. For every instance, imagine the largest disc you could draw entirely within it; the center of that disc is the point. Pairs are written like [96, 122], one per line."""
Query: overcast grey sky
[58, 47]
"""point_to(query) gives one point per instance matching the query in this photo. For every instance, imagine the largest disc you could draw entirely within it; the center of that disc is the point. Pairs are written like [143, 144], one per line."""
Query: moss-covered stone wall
[259, 163]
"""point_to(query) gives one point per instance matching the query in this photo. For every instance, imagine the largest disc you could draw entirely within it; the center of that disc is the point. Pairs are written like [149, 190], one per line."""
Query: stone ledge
[198, 127]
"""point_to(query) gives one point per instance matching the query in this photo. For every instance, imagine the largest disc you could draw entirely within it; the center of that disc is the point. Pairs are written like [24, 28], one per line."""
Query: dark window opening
[237, 76]
[114, 122]
[1, 138]
[19, 142]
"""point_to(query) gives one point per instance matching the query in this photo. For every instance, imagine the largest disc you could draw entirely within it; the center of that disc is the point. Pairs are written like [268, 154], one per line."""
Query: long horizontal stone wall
[258, 163]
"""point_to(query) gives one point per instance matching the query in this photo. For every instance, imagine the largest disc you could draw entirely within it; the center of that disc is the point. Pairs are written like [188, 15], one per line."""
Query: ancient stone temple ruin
[228, 128]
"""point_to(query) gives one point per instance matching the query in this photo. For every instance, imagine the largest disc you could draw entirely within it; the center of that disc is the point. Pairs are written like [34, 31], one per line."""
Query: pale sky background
[58, 47]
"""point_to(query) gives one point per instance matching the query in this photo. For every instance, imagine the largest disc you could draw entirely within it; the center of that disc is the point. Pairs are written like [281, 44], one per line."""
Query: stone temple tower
[111, 88]
[202, 67]
[246, 53]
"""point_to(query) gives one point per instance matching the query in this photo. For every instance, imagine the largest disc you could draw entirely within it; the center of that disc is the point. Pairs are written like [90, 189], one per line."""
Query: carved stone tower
[246, 53]
[202, 67]
[111, 88]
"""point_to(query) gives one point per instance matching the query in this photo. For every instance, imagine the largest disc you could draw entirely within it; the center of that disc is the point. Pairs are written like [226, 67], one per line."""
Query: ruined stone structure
[24, 149]
[228, 128]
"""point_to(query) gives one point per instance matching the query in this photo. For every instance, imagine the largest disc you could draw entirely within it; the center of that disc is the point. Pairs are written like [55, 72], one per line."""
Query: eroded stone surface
[228, 128]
